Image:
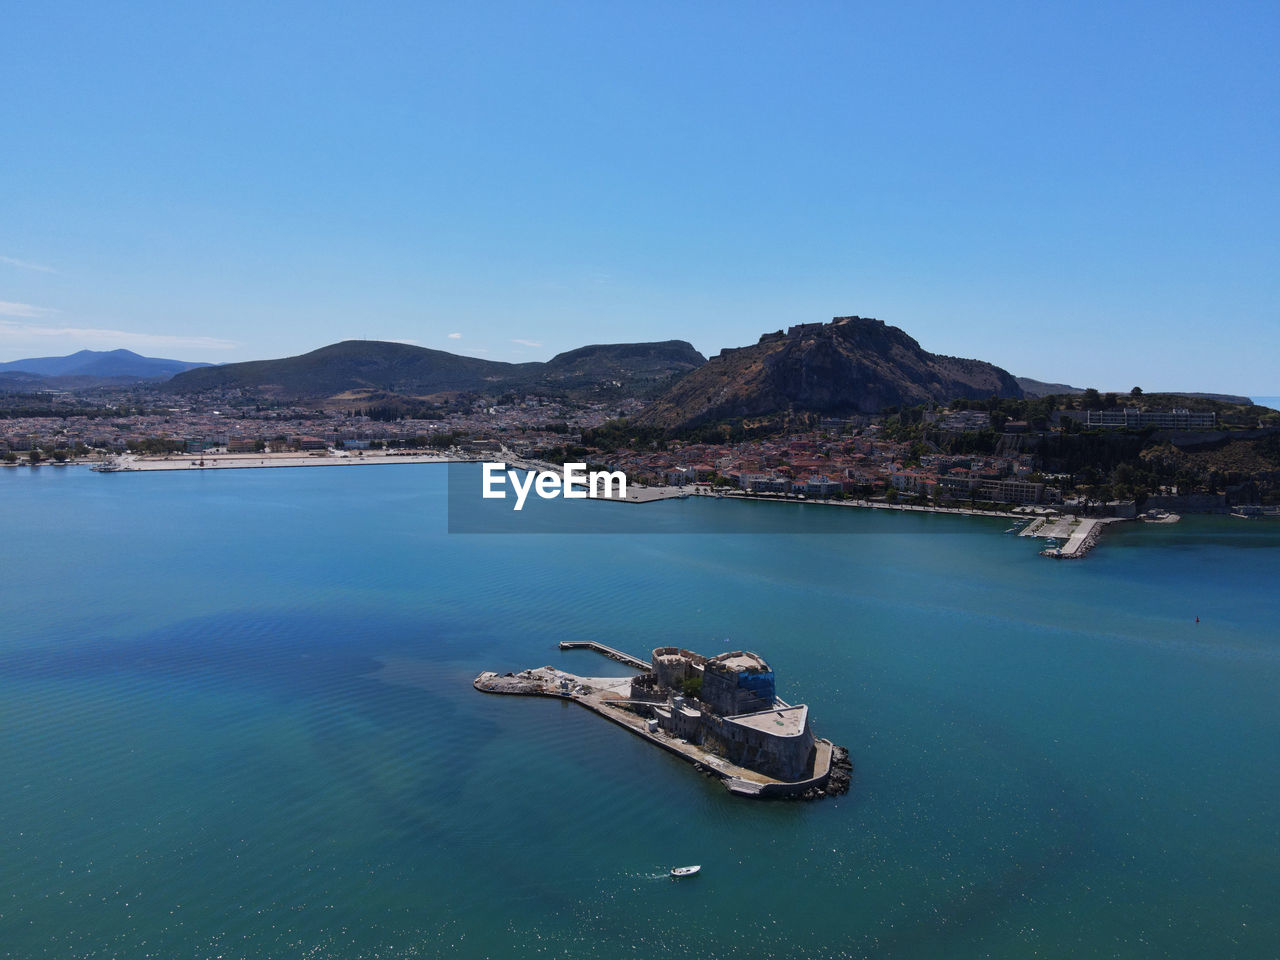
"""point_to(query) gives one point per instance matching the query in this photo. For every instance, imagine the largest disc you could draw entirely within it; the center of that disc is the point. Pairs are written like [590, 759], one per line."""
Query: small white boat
[685, 871]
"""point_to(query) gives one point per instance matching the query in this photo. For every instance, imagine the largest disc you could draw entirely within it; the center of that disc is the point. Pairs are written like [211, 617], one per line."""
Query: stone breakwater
[606, 696]
[1082, 540]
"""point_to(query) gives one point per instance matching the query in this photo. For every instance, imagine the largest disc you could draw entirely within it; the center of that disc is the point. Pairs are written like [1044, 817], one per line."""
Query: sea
[238, 721]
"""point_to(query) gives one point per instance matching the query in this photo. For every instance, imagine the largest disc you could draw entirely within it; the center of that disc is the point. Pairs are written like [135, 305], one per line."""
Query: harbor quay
[719, 714]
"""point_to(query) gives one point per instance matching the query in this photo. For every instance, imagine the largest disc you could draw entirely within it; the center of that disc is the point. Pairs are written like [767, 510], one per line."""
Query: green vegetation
[626, 434]
[400, 409]
[435, 441]
[692, 686]
[18, 406]
[157, 445]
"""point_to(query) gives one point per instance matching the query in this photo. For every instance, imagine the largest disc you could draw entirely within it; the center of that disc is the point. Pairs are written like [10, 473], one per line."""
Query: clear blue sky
[1084, 192]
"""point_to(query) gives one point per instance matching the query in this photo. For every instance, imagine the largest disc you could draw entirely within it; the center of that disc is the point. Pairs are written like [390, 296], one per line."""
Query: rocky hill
[355, 366]
[851, 365]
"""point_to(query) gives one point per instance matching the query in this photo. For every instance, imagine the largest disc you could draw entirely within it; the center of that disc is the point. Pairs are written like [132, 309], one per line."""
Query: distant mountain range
[850, 365]
[100, 364]
[355, 367]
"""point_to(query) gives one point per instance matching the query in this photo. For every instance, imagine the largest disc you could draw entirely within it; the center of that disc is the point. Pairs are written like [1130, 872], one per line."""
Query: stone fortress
[726, 704]
[721, 714]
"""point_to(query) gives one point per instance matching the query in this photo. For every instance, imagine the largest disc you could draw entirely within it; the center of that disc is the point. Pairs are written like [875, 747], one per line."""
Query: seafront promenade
[128, 463]
[874, 505]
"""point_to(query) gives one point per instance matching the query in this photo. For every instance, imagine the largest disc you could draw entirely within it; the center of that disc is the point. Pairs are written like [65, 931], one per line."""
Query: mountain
[1038, 388]
[348, 366]
[398, 368]
[637, 368]
[850, 365]
[100, 363]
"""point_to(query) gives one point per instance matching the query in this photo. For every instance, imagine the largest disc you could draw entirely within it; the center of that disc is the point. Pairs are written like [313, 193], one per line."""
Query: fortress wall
[787, 758]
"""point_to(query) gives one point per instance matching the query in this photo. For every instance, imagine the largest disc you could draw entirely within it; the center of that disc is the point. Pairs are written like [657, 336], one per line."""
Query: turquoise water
[1051, 759]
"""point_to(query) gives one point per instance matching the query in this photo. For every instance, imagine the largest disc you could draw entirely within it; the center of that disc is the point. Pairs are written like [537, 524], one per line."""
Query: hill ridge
[353, 365]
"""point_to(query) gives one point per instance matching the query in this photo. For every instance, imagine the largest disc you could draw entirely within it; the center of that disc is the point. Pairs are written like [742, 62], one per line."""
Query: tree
[1091, 400]
[1135, 392]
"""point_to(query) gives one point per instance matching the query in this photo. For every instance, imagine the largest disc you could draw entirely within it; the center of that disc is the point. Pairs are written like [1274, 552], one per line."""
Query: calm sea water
[238, 722]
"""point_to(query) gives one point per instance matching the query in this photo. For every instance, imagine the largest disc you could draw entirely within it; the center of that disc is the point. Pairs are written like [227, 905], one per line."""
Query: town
[966, 453]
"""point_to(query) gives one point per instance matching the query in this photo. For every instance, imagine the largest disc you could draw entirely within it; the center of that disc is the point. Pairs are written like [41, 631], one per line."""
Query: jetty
[606, 650]
[736, 730]
[1078, 535]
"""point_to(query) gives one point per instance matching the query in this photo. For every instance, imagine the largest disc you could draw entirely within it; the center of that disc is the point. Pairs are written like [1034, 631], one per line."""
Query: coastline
[1080, 534]
[129, 463]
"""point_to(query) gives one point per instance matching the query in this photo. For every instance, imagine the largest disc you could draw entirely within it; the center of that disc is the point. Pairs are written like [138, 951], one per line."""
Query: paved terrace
[784, 722]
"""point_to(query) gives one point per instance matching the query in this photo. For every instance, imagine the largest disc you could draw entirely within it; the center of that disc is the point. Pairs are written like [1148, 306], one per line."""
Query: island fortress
[733, 712]
[720, 713]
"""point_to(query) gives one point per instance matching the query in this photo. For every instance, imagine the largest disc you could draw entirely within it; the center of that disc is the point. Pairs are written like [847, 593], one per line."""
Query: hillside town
[821, 464]
[939, 461]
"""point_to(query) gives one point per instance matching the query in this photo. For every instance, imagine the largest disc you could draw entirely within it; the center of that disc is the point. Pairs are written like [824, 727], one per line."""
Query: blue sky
[1079, 192]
